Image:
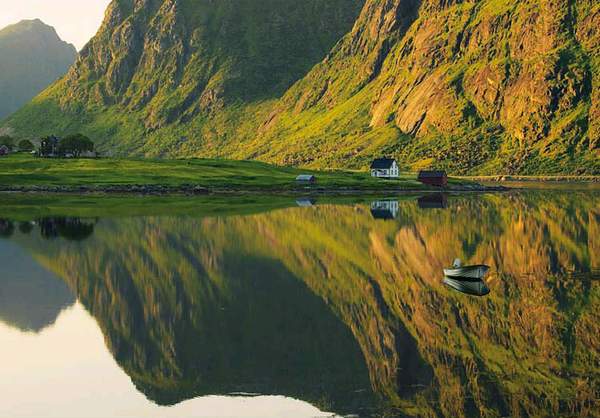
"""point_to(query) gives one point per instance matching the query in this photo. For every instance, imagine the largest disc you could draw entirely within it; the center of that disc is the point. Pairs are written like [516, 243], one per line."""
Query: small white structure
[385, 168]
[306, 178]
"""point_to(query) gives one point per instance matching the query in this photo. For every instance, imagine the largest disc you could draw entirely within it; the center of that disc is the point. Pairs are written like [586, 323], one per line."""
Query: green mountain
[480, 86]
[176, 76]
[33, 57]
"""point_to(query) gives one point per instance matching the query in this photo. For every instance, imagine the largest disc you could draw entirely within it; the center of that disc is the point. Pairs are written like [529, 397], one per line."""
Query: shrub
[7, 141]
[26, 145]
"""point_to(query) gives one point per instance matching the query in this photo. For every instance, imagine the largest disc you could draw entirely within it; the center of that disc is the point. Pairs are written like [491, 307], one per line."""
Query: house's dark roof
[432, 174]
[305, 177]
[382, 163]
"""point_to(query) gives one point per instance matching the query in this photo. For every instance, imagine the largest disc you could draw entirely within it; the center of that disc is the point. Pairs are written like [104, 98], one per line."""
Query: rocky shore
[191, 189]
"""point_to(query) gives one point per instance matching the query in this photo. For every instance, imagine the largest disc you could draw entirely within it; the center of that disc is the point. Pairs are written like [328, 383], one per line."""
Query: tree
[26, 145]
[7, 141]
[75, 144]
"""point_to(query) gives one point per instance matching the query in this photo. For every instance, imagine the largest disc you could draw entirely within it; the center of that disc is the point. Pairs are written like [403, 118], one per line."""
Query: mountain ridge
[33, 57]
[474, 87]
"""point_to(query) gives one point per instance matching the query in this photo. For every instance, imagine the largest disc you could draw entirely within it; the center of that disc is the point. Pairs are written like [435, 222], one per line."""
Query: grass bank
[21, 172]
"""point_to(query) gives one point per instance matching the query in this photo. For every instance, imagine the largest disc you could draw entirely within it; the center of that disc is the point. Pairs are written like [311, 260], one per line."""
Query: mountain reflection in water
[329, 305]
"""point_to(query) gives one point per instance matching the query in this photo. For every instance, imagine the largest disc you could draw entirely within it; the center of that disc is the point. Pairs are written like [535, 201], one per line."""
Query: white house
[385, 168]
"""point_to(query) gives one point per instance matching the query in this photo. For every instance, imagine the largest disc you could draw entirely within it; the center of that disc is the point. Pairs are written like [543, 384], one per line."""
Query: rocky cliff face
[479, 86]
[32, 57]
[176, 62]
[499, 85]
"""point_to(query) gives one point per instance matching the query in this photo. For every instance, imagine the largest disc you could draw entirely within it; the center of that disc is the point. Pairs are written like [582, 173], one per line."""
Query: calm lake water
[308, 308]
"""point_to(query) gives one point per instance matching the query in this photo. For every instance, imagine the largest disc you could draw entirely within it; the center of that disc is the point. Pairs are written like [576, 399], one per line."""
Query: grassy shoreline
[518, 178]
[24, 173]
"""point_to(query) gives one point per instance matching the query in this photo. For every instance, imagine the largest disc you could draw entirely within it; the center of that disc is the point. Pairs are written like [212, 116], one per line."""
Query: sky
[76, 21]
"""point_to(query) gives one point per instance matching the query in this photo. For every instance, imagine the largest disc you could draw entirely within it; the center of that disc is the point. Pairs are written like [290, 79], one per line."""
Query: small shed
[306, 178]
[4, 150]
[434, 178]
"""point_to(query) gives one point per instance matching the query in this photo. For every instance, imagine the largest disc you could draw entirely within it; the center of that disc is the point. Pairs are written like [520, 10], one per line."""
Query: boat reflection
[468, 286]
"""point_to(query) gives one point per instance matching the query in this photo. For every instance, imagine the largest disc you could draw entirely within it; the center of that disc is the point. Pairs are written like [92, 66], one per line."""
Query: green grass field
[22, 170]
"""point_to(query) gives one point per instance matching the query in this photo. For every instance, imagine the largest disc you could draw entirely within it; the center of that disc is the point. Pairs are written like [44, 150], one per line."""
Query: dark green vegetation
[7, 141]
[75, 145]
[478, 86]
[32, 56]
[177, 304]
[25, 170]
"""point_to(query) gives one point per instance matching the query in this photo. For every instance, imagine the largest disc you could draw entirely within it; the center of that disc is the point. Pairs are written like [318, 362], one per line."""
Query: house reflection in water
[433, 201]
[385, 209]
[306, 203]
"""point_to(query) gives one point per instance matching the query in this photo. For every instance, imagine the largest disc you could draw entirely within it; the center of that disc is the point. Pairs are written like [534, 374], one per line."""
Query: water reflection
[70, 228]
[433, 201]
[74, 229]
[7, 228]
[385, 209]
[31, 297]
[475, 287]
[327, 305]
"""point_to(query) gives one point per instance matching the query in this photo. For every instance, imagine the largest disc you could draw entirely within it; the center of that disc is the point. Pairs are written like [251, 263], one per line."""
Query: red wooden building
[434, 178]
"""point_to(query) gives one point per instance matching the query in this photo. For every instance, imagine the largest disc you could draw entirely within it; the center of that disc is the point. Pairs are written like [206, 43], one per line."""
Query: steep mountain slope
[32, 57]
[186, 63]
[475, 86]
[488, 86]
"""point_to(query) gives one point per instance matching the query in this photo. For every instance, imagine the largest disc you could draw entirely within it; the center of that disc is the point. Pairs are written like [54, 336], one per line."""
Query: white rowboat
[468, 272]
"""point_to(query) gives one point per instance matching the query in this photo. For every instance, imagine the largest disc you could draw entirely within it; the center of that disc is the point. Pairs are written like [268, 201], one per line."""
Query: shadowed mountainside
[31, 298]
[33, 57]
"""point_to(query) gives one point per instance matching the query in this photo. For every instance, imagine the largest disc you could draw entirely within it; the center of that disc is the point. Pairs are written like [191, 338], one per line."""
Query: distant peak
[27, 24]
[32, 27]
[33, 23]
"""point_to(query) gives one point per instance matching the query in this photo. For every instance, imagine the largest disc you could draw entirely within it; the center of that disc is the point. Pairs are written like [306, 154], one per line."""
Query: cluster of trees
[72, 145]
[24, 145]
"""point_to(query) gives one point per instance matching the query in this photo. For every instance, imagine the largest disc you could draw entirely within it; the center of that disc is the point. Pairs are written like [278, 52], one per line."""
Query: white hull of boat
[468, 272]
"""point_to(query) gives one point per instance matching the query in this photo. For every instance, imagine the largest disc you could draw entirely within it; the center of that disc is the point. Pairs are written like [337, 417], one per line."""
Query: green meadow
[21, 170]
